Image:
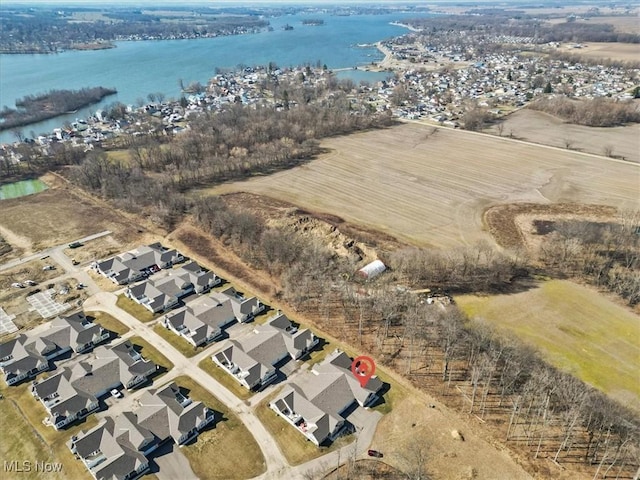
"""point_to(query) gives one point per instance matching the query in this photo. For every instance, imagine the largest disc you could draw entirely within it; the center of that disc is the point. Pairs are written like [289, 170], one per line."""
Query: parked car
[30, 283]
[116, 393]
[48, 267]
[374, 453]
[17, 285]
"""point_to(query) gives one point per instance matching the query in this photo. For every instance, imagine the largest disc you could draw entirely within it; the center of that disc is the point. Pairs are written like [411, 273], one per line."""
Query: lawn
[108, 322]
[575, 328]
[151, 353]
[225, 379]
[320, 352]
[135, 309]
[179, 343]
[392, 396]
[226, 451]
[293, 445]
[25, 438]
[265, 315]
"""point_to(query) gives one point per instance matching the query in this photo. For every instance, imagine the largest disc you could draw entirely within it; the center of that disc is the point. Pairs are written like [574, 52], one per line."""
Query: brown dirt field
[622, 24]
[432, 188]
[545, 129]
[209, 251]
[97, 249]
[562, 10]
[61, 214]
[625, 52]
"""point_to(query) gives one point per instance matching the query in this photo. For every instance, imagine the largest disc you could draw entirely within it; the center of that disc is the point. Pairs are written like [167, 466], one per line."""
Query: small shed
[372, 269]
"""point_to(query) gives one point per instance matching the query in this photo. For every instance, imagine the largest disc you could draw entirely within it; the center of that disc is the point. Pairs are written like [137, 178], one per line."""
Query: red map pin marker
[363, 368]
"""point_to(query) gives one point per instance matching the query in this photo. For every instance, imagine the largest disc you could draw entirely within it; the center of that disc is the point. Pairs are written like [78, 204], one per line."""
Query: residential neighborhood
[29, 354]
[166, 289]
[74, 392]
[435, 78]
[136, 407]
[118, 447]
[137, 264]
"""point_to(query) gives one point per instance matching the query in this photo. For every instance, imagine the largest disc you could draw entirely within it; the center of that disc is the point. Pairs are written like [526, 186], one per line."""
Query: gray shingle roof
[167, 413]
[322, 395]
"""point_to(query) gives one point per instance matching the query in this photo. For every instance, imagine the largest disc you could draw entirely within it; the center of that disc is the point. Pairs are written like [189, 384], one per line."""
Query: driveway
[171, 463]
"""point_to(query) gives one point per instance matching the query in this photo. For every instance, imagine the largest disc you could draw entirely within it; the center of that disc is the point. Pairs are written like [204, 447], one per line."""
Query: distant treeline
[34, 108]
[521, 25]
[46, 31]
[597, 112]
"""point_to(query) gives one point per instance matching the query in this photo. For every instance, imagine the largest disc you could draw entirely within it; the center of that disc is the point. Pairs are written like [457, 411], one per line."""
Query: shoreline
[404, 25]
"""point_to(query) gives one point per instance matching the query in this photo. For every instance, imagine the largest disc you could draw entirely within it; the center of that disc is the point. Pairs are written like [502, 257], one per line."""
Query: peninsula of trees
[35, 108]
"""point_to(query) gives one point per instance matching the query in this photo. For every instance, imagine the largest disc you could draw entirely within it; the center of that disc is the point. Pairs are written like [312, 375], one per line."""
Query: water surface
[136, 69]
[22, 188]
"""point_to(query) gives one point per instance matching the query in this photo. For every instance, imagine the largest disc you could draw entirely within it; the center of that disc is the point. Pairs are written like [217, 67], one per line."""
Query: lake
[22, 188]
[136, 69]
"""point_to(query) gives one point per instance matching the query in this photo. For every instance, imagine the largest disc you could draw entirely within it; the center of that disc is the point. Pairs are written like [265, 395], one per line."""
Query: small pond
[22, 188]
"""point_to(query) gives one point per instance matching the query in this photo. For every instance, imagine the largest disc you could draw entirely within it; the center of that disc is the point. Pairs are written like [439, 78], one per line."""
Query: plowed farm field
[430, 186]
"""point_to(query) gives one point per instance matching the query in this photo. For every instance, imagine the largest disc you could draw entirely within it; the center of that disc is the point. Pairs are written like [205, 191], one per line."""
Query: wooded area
[235, 143]
[538, 409]
[34, 108]
[595, 112]
[519, 24]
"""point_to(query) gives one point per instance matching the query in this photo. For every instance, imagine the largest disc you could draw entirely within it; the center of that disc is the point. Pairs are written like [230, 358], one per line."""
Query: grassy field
[25, 438]
[150, 353]
[226, 452]
[108, 322]
[414, 429]
[293, 445]
[135, 309]
[539, 127]
[575, 328]
[430, 186]
[225, 379]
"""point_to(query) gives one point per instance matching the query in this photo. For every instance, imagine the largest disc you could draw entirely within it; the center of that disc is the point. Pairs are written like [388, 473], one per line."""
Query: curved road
[275, 461]
[277, 466]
